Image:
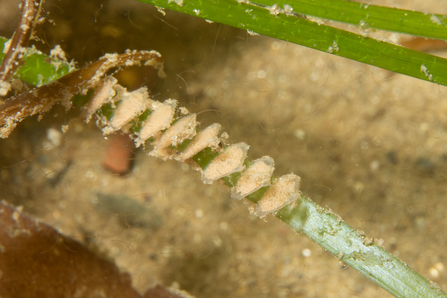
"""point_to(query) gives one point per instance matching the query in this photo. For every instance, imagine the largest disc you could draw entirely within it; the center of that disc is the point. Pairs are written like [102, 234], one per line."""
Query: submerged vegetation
[174, 135]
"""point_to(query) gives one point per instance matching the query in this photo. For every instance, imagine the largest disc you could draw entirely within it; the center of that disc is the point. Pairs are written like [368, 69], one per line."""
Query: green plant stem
[328, 230]
[319, 37]
[361, 253]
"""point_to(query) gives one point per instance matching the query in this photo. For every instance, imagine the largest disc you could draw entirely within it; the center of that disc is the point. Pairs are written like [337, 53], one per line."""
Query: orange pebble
[118, 158]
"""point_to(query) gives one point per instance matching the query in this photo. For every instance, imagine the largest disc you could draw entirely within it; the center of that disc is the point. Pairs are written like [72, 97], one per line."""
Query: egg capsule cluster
[155, 122]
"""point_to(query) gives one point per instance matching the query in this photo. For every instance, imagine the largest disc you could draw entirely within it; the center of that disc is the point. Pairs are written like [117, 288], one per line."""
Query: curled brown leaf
[41, 99]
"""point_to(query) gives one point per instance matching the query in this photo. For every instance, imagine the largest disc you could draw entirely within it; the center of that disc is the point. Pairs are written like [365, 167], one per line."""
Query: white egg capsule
[283, 192]
[258, 175]
[229, 161]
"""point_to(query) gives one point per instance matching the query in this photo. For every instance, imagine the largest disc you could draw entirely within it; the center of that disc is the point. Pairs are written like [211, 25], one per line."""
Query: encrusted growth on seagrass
[170, 131]
[166, 132]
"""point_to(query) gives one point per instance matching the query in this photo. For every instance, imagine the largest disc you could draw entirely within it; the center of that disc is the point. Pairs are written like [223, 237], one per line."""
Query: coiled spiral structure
[170, 130]
[173, 134]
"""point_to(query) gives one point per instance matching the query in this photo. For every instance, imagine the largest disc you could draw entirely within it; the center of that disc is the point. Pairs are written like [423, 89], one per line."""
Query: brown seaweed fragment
[41, 99]
[38, 261]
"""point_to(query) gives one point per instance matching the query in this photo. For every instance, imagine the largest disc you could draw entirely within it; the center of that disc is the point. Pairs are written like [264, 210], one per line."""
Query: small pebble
[307, 252]
[119, 153]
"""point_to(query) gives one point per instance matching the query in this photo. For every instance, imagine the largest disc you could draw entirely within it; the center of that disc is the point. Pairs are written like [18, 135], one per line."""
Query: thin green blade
[368, 16]
[355, 249]
[319, 37]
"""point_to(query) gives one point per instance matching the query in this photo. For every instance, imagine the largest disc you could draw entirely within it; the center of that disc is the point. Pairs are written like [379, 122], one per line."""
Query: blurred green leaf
[38, 69]
[368, 16]
[316, 36]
